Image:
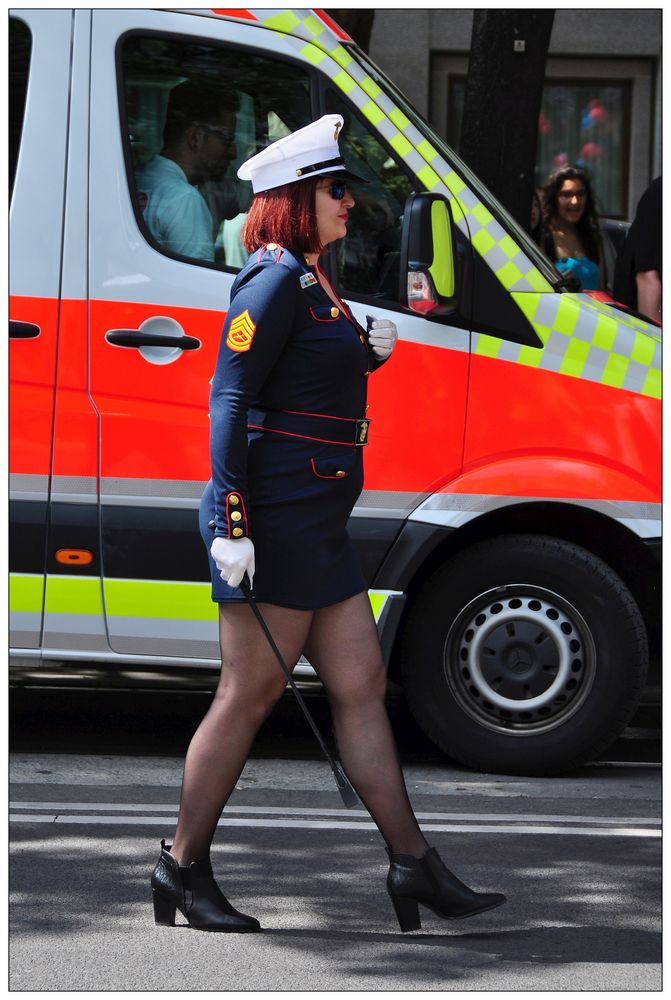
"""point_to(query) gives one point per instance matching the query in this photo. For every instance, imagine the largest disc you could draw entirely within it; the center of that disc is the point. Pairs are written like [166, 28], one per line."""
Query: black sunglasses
[336, 189]
[221, 133]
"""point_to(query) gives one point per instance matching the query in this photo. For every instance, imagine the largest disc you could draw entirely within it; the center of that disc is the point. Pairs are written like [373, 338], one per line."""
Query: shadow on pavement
[320, 894]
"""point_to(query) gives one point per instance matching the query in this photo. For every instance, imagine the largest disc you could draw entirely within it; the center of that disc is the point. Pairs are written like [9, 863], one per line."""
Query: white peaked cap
[308, 152]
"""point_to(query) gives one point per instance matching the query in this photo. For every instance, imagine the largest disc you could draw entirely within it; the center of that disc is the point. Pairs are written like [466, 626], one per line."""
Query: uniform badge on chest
[307, 280]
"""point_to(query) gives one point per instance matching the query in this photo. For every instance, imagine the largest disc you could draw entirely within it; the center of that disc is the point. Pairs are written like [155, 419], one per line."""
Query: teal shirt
[585, 270]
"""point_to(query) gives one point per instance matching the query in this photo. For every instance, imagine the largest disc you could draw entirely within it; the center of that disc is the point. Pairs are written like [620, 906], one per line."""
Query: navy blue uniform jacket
[286, 347]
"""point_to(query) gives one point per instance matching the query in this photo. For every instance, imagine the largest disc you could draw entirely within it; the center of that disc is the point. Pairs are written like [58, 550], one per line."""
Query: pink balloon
[598, 113]
[544, 126]
[590, 151]
[560, 160]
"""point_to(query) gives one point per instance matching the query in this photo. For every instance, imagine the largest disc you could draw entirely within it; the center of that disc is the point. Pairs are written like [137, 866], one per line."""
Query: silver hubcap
[520, 659]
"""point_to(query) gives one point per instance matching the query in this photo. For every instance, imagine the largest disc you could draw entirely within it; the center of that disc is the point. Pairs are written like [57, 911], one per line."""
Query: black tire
[524, 655]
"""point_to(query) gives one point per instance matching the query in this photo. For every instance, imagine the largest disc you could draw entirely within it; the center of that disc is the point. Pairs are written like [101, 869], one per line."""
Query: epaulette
[272, 248]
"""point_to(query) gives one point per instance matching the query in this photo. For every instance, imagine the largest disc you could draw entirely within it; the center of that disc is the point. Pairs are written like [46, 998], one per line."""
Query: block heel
[193, 891]
[427, 881]
[164, 910]
[407, 913]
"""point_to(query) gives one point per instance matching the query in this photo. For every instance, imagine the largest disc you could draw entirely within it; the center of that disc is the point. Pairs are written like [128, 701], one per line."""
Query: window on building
[582, 122]
[585, 123]
[20, 44]
[193, 113]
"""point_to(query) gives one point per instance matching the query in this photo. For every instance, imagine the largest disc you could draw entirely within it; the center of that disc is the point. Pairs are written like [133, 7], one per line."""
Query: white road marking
[275, 817]
[148, 807]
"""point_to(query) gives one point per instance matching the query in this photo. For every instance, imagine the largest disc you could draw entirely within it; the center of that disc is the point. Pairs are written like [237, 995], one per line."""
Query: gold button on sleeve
[335, 312]
[236, 515]
[237, 532]
[340, 473]
[234, 500]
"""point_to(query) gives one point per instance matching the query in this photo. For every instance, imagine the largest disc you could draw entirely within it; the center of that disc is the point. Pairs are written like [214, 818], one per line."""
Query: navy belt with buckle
[311, 426]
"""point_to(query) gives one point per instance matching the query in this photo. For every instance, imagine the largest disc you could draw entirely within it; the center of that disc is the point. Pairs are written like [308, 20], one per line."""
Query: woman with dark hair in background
[288, 418]
[570, 233]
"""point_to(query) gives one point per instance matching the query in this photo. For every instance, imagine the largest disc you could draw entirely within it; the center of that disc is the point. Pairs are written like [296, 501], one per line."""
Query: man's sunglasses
[221, 133]
[336, 189]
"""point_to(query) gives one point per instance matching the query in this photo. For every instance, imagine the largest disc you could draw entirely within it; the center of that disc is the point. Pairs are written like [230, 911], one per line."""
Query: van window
[369, 256]
[20, 44]
[194, 112]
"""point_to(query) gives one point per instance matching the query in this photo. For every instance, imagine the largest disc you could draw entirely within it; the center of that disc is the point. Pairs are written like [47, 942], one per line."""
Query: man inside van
[198, 145]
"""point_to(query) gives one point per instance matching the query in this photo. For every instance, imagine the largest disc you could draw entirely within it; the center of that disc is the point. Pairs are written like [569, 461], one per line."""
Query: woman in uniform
[288, 430]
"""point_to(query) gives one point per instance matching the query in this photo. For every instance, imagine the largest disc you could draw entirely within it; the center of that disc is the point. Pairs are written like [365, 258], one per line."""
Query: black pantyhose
[343, 647]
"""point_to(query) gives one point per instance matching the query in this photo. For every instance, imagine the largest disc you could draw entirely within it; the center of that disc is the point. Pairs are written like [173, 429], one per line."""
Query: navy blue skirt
[301, 494]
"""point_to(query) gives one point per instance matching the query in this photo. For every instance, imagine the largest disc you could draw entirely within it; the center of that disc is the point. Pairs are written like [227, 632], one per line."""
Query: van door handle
[18, 330]
[137, 338]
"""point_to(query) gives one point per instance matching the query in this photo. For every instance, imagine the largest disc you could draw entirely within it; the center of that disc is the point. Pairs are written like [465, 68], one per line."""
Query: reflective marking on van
[387, 504]
[587, 340]
[26, 592]
[25, 621]
[126, 492]
[80, 595]
[185, 494]
[25, 486]
[455, 509]
[191, 639]
[176, 619]
[25, 628]
[69, 489]
[74, 489]
[379, 599]
[159, 599]
[76, 633]
[152, 603]
[507, 260]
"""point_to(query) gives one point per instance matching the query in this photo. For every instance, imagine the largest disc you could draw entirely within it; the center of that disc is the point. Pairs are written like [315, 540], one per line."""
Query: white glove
[234, 557]
[382, 337]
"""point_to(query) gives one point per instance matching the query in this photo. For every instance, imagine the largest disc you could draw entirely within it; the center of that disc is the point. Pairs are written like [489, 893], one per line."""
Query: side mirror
[428, 279]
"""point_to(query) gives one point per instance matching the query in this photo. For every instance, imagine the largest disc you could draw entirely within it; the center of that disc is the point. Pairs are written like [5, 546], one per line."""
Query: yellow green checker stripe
[579, 338]
[26, 592]
[584, 339]
[510, 264]
[125, 598]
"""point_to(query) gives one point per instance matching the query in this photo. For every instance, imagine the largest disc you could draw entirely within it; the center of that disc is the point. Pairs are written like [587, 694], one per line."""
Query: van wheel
[524, 655]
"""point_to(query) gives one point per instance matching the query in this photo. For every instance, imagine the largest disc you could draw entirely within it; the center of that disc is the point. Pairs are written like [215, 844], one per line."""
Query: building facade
[601, 100]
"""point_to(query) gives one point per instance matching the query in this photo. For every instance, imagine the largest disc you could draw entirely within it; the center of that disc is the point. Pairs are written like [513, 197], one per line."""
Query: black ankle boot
[426, 880]
[194, 893]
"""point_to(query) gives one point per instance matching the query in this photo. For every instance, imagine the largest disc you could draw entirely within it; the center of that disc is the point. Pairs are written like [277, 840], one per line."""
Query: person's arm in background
[649, 294]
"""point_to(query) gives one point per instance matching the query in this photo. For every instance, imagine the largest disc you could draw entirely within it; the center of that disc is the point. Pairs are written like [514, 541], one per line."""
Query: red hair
[285, 215]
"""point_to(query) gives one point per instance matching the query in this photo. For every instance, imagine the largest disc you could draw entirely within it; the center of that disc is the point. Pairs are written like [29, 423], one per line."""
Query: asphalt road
[577, 856]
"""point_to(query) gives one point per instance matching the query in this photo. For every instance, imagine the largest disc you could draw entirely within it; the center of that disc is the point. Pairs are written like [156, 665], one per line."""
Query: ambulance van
[509, 527]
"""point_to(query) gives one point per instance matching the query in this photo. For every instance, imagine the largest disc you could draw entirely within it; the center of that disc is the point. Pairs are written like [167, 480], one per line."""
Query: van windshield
[495, 207]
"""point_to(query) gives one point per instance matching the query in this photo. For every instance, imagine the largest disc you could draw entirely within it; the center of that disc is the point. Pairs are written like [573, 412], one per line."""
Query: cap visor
[346, 175]
[354, 178]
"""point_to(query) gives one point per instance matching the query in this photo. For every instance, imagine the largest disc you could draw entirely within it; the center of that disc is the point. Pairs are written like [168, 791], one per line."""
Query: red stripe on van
[243, 15]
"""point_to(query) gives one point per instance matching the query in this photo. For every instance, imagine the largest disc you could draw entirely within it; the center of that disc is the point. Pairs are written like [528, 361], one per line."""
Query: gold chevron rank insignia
[241, 332]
